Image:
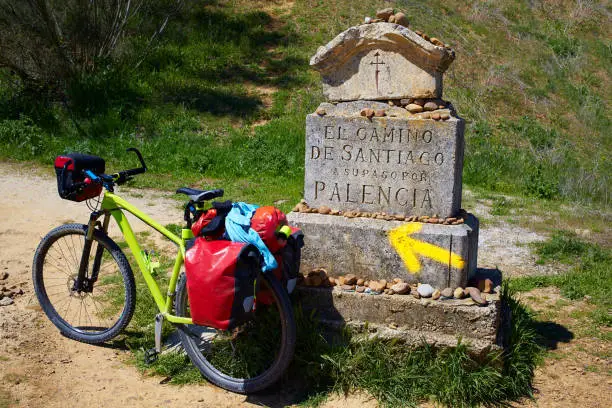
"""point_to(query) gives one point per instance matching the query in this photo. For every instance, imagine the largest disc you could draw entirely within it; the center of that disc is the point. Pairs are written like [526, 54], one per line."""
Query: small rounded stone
[379, 113]
[392, 19]
[444, 116]
[437, 42]
[430, 106]
[320, 112]
[436, 295]
[435, 116]
[447, 292]
[401, 288]
[367, 20]
[401, 19]
[360, 289]
[425, 290]
[458, 293]
[414, 108]
[384, 13]
[324, 209]
[350, 279]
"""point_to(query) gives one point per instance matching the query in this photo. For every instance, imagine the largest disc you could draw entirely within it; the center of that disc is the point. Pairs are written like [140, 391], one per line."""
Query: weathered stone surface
[438, 322]
[361, 246]
[381, 61]
[399, 164]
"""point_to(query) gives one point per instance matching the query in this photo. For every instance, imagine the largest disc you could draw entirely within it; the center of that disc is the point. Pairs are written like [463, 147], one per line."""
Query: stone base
[441, 323]
[361, 246]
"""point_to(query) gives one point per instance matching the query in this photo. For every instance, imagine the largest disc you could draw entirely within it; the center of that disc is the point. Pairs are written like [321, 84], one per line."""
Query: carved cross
[376, 64]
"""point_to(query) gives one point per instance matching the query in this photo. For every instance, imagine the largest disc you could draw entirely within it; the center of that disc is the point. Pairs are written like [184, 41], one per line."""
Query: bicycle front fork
[83, 283]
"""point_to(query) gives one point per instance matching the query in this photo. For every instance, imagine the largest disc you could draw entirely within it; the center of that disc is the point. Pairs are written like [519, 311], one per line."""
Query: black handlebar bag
[69, 170]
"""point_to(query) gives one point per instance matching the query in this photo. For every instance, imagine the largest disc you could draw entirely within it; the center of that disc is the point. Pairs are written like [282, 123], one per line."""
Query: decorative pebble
[320, 112]
[447, 292]
[414, 108]
[6, 301]
[475, 295]
[360, 282]
[488, 286]
[419, 101]
[415, 294]
[350, 279]
[458, 293]
[392, 19]
[347, 287]
[390, 292]
[425, 290]
[384, 13]
[401, 288]
[367, 20]
[360, 289]
[444, 116]
[367, 112]
[324, 209]
[332, 281]
[430, 106]
[426, 115]
[437, 42]
[379, 113]
[435, 116]
[377, 286]
[400, 18]
[436, 295]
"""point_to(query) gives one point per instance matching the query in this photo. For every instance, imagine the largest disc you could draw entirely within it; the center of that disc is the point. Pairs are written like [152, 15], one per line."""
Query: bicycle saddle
[200, 195]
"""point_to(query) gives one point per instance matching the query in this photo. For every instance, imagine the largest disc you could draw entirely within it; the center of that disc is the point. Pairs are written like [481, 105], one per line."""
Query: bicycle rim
[89, 313]
[247, 358]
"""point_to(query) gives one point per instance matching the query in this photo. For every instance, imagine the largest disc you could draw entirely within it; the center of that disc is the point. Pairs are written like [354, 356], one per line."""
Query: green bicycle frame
[115, 206]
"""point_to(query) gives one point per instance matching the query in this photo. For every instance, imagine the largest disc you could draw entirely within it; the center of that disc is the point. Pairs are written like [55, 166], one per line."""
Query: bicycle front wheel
[105, 306]
[250, 357]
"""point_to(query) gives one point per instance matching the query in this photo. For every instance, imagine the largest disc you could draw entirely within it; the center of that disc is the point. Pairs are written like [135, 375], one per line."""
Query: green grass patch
[394, 374]
[589, 276]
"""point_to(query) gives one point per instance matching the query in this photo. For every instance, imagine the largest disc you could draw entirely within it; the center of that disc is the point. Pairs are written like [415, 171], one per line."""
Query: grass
[530, 80]
[588, 278]
[394, 374]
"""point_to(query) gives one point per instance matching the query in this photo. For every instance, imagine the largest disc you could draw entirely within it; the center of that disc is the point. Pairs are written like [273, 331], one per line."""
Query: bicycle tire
[234, 384]
[38, 277]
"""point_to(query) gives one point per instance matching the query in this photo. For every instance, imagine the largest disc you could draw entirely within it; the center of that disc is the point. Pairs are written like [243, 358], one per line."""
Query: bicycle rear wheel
[249, 358]
[94, 315]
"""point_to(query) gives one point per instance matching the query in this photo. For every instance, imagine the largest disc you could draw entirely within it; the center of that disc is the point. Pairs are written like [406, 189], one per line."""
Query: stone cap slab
[381, 61]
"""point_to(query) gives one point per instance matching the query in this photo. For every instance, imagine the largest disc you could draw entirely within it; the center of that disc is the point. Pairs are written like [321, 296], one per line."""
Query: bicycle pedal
[150, 356]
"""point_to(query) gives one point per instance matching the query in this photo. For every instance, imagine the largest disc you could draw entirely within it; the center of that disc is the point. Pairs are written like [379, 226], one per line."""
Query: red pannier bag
[221, 278]
[69, 170]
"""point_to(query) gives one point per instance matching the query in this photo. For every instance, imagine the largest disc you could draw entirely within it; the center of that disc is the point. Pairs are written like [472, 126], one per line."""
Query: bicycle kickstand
[151, 355]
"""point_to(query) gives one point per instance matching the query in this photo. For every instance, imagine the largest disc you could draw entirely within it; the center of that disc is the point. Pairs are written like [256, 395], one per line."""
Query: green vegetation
[588, 278]
[221, 97]
[394, 374]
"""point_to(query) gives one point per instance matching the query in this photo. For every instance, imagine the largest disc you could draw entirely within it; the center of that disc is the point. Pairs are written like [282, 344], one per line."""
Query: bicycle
[89, 273]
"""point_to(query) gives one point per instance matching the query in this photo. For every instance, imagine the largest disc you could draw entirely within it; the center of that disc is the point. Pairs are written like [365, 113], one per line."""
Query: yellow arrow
[408, 248]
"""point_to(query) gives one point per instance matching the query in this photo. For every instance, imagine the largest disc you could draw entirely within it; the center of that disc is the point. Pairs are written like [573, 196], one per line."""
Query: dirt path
[38, 367]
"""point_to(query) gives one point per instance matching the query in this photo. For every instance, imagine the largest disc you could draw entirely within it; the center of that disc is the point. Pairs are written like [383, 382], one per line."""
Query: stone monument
[383, 168]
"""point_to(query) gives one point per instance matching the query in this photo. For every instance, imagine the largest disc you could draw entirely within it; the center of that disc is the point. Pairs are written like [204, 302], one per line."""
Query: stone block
[436, 322]
[381, 61]
[361, 246]
[400, 164]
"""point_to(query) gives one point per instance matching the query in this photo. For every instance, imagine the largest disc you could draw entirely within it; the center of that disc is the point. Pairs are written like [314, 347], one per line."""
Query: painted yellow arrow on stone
[409, 248]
